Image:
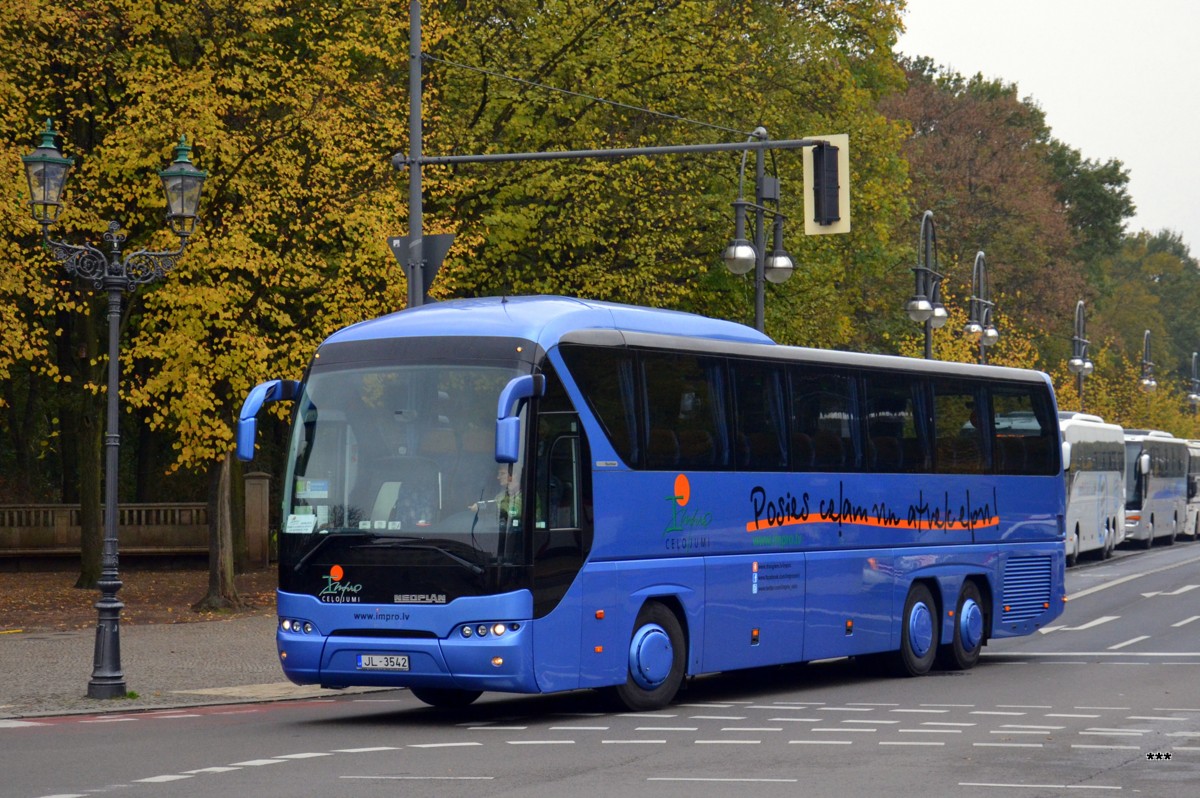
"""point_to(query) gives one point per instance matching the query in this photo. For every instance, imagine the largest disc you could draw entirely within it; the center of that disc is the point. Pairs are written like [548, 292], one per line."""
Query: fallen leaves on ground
[42, 600]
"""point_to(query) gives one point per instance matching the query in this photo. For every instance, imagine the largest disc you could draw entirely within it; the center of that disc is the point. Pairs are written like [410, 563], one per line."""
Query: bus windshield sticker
[300, 524]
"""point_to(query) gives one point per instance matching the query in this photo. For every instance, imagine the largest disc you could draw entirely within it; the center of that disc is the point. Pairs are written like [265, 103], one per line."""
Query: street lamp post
[925, 307]
[46, 169]
[1147, 382]
[979, 326]
[741, 255]
[1194, 396]
[1080, 364]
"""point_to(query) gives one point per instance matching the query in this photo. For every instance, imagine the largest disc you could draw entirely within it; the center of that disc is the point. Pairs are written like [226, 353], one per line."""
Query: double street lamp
[742, 256]
[46, 169]
[979, 325]
[925, 307]
[1080, 364]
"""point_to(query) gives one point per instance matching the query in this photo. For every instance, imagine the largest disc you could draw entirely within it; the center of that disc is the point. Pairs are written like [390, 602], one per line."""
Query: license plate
[383, 662]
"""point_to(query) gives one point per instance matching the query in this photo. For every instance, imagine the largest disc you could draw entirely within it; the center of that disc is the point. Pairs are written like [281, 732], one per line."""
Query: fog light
[466, 631]
[497, 661]
[285, 625]
[499, 629]
[308, 627]
[481, 630]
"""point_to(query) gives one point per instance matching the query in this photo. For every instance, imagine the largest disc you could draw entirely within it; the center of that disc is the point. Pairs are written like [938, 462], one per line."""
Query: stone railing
[53, 529]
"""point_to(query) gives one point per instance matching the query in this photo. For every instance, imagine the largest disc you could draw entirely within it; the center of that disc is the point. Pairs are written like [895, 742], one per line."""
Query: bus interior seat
[802, 451]
[385, 502]
[828, 453]
[662, 449]
[887, 454]
[765, 451]
[696, 448]
[1011, 453]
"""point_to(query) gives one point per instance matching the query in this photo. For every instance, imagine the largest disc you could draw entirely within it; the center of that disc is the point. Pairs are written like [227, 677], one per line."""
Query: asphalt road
[1107, 701]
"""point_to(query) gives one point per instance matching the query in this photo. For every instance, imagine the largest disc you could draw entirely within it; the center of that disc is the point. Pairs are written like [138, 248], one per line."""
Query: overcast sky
[1115, 78]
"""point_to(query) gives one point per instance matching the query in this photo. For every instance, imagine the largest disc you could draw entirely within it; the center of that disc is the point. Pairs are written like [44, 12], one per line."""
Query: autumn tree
[979, 159]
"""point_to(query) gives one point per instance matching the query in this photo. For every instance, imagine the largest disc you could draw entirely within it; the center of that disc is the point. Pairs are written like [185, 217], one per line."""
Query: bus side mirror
[1144, 463]
[1066, 455]
[263, 393]
[508, 424]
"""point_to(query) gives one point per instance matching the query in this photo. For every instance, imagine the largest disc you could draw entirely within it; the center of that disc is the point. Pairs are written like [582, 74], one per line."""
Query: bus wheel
[1149, 541]
[445, 697]
[1073, 549]
[970, 626]
[918, 632]
[657, 656]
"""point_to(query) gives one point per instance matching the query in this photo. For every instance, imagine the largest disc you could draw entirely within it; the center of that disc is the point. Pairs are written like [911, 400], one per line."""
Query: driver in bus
[507, 502]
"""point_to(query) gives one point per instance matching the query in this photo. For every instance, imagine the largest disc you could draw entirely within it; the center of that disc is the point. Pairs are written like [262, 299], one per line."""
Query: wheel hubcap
[920, 629]
[650, 656]
[970, 625]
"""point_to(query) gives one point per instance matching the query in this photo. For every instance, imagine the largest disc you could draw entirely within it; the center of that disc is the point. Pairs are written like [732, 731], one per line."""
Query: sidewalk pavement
[165, 665]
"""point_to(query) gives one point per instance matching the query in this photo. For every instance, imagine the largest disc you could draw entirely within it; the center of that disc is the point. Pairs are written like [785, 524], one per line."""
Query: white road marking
[1092, 624]
[734, 781]
[163, 779]
[1008, 745]
[254, 763]
[1177, 592]
[1129, 642]
[1186, 621]
[309, 755]
[444, 745]
[421, 778]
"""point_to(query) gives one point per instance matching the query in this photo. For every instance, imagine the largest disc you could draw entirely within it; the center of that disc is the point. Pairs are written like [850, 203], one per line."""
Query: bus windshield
[400, 459]
[1133, 476]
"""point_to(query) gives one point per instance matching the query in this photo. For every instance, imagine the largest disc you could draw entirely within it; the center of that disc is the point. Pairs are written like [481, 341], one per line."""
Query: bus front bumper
[501, 663]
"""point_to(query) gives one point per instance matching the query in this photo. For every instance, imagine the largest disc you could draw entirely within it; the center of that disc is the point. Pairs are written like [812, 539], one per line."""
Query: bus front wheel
[918, 632]
[970, 630]
[657, 658]
[445, 697]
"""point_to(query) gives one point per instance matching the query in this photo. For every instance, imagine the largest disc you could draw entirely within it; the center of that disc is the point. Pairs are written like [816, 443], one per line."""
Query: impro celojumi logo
[684, 518]
[336, 591]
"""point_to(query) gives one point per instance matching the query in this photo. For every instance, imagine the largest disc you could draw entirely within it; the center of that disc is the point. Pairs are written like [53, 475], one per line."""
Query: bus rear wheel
[918, 633]
[657, 659]
[445, 697]
[970, 631]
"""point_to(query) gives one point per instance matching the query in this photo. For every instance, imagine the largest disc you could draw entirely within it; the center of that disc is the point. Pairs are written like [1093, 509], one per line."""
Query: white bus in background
[1156, 475]
[1191, 527]
[1094, 470]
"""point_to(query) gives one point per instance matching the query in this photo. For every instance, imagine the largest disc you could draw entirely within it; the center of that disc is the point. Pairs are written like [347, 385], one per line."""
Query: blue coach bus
[537, 494]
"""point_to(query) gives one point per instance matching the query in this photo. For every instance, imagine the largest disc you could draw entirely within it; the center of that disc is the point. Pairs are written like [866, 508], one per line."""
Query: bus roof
[543, 319]
[549, 320]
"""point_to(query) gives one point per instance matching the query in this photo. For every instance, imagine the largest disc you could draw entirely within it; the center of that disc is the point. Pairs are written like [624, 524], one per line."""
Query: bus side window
[1021, 416]
[824, 428]
[761, 430]
[607, 379]
[957, 426]
[687, 411]
[896, 431]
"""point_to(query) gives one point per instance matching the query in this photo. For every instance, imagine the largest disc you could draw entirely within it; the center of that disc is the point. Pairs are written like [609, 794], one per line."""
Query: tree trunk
[222, 591]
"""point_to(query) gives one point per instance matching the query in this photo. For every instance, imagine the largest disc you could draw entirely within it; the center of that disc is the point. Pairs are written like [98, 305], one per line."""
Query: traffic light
[827, 185]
